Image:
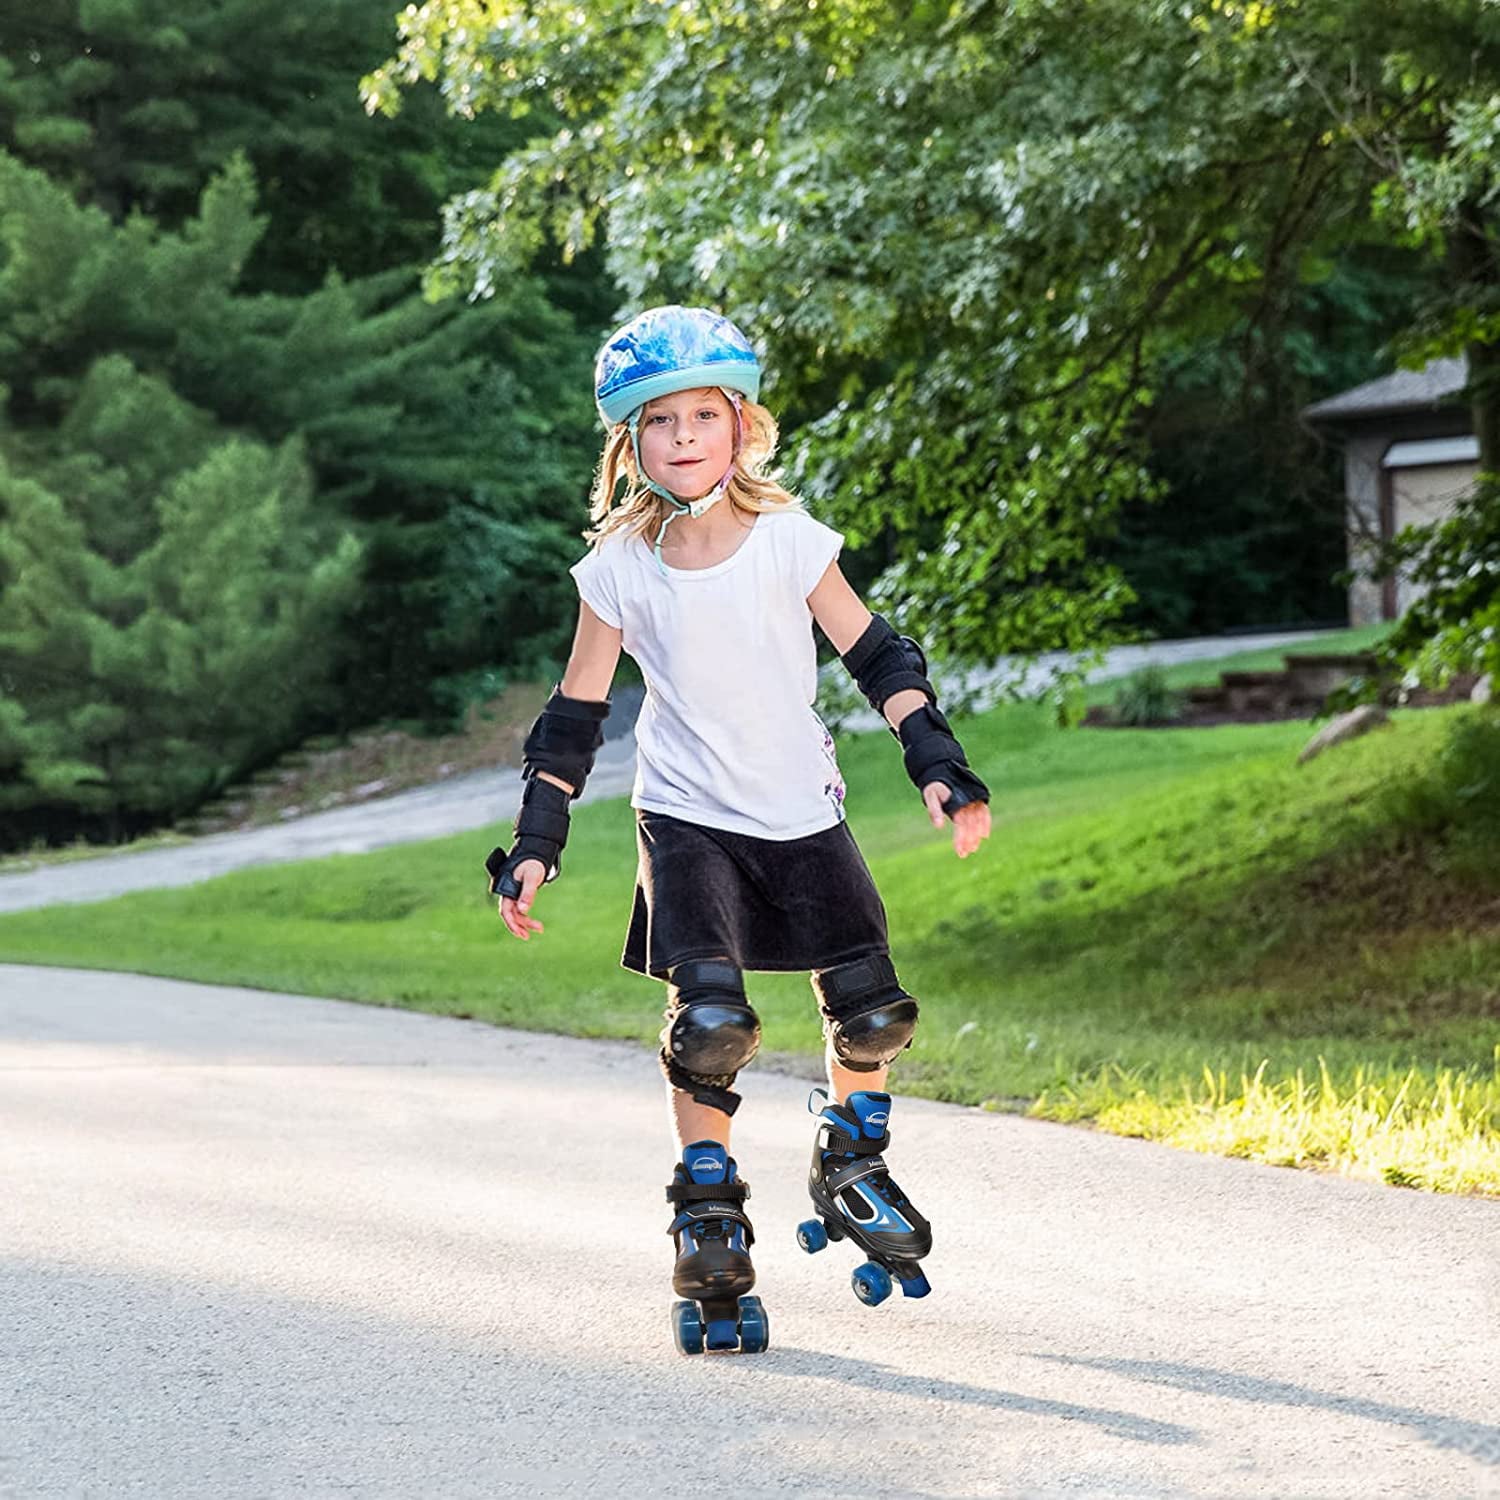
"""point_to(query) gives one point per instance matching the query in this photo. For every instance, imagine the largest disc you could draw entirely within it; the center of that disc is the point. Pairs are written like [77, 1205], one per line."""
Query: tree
[1440, 191]
[969, 233]
[134, 105]
[422, 423]
[1251, 526]
[167, 606]
[413, 417]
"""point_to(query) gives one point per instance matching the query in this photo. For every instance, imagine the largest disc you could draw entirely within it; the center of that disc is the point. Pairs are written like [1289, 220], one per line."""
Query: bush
[1145, 698]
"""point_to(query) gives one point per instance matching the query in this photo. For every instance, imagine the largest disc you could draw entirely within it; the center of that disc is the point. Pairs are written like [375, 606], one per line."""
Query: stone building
[1409, 453]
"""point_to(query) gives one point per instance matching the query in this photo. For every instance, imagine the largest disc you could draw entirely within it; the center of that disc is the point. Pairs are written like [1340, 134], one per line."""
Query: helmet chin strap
[704, 503]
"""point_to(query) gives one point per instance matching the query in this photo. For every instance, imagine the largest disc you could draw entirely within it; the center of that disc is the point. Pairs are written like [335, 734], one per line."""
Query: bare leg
[844, 1081]
[692, 1121]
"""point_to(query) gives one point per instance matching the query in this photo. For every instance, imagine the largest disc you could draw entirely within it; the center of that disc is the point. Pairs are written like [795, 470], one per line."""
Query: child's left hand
[971, 822]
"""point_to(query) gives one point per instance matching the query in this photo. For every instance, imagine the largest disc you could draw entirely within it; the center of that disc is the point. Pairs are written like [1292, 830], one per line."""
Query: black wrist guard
[883, 663]
[933, 754]
[564, 738]
[541, 833]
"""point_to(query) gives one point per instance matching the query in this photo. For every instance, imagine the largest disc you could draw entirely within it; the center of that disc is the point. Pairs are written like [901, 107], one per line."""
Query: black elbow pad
[883, 663]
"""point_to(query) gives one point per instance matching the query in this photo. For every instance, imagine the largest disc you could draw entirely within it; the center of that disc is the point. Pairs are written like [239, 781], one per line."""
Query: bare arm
[591, 666]
[843, 617]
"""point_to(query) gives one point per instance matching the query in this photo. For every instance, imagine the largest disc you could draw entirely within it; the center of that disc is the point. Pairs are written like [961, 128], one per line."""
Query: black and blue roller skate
[856, 1199]
[713, 1256]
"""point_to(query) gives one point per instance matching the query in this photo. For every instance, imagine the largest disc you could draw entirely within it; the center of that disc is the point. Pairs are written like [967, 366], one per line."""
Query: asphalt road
[261, 1245]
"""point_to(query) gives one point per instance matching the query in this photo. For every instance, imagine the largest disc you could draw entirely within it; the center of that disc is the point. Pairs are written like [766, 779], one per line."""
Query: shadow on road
[1475, 1440]
[816, 1364]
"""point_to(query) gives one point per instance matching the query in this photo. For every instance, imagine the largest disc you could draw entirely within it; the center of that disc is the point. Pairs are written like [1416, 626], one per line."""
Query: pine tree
[146, 663]
[135, 104]
[418, 419]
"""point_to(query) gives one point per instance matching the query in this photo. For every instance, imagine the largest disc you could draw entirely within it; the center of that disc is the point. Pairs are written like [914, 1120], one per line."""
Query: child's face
[687, 441]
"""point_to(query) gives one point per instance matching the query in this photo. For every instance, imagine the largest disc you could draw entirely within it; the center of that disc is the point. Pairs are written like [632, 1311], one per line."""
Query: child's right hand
[513, 909]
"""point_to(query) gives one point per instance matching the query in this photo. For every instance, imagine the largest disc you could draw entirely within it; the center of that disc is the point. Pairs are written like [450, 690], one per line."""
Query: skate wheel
[915, 1285]
[687, 1328]
[755, 1326]
[872, 1283]
[812, 1236]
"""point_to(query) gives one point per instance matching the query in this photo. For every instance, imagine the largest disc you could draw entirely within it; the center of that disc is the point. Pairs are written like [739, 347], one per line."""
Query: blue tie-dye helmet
[668, 349]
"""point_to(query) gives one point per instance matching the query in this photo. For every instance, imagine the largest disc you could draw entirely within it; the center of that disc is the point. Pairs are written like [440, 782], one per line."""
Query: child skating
[710, 575]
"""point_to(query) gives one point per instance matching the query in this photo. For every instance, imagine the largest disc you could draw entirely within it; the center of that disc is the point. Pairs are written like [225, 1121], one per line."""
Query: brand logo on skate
[705, 1164]
[878, 1118]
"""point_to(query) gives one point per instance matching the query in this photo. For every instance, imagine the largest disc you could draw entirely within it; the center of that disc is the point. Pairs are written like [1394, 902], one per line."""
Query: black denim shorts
[770, 905]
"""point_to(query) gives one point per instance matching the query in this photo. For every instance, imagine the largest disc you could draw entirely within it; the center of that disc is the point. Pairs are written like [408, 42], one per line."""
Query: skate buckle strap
[708, 1192]
[853, 1145]
[718, 1213]
[856, 1171]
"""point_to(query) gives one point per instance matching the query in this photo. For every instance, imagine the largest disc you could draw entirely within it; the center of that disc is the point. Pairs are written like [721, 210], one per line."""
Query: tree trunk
[1476, 274]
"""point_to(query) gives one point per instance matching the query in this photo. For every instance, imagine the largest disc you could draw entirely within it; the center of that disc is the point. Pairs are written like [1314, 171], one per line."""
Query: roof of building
[1435, 385]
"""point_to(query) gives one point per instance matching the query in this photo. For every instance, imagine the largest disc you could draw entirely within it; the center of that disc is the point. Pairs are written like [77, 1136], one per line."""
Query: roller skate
[856, 1199]
[713, 1270]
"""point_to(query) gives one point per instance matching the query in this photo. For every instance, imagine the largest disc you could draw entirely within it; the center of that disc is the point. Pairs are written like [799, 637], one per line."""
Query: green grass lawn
[1174, 933]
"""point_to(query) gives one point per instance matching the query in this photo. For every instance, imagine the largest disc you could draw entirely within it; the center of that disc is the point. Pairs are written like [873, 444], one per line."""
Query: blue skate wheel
[872, 1283]
[915, 1285]
[687, 1328]
[812, 1236]
[755, 1326]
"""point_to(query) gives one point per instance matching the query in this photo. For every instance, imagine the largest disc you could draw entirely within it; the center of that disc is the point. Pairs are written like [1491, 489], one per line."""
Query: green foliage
[166, 611]
[1251, 529]
[976, 238]
[875, 218]
[168, 590]
[1145, 698]
[452, 439]
[136, 105]
[442, 434]
[1454, 626]
[459, 438]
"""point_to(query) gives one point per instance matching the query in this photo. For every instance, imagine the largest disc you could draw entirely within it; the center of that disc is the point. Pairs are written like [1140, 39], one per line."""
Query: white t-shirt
[727, 736]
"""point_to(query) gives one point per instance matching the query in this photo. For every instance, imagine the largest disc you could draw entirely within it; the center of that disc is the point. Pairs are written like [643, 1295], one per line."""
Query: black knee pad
[867, 1017]
[711, 1031]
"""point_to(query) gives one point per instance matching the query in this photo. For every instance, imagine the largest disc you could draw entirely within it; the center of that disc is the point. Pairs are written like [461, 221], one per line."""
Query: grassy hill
[1173, 933]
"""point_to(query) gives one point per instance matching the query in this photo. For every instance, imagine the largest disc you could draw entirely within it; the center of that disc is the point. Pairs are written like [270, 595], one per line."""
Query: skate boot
[856, 1199]
[713, 1267]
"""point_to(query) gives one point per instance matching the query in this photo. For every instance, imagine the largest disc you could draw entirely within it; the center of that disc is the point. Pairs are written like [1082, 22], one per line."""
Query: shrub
[1145, 698]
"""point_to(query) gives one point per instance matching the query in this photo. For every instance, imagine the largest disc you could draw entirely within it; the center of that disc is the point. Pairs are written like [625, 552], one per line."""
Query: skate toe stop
[916, 1285]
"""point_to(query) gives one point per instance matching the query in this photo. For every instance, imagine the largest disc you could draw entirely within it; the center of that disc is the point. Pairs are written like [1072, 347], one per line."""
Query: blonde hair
[750, 488]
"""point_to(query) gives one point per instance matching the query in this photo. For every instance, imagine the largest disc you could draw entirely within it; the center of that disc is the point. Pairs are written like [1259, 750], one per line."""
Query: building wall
[1428, 493]
[1362, 487]
[1421, 497]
